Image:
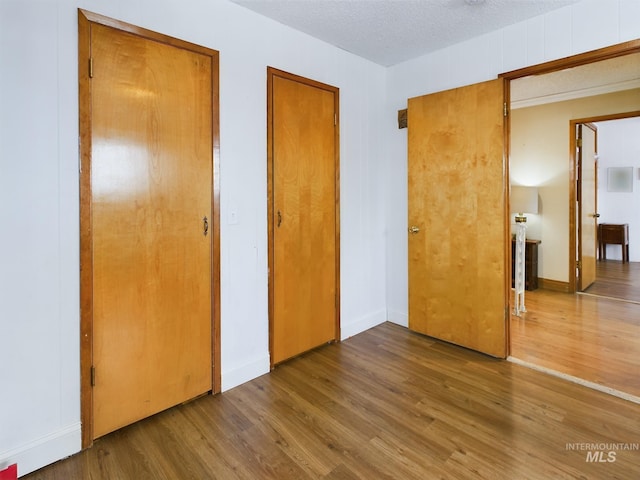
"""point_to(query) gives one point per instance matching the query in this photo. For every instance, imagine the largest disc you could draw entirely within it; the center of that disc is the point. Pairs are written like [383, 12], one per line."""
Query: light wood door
[458, 289]
[304, 214]
[587, 205]
[151, 184]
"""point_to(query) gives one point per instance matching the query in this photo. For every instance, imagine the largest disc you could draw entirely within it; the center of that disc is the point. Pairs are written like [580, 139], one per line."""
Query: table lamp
[523, 200]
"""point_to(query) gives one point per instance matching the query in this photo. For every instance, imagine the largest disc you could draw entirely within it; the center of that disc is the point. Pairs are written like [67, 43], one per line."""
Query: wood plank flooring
[590, 337]
[615, 279]
[385, 404]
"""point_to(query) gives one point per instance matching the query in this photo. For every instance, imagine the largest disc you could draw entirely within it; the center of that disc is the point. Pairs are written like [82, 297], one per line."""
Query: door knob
[414, 229]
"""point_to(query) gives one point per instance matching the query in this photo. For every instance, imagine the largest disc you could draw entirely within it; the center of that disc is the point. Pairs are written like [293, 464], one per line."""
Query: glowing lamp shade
[524, 200]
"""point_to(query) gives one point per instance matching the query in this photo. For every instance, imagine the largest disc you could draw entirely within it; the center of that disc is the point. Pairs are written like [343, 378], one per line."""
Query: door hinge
[579, 264]
[335, 119]
[93, 376]
[579, 142]
[90, 67]
[505, 110]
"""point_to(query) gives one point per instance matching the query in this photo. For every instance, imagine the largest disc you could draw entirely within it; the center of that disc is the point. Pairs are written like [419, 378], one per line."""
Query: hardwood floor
[590, 337]
[385, 404]
[615, 279]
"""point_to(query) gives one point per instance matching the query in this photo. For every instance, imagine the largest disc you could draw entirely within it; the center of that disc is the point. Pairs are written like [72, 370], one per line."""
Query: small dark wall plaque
[402, 118]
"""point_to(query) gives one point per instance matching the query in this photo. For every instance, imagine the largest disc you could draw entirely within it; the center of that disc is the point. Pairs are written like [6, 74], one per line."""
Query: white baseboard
[361, 324]
[260, 366]
[399, 318]
[44, 450]
[244, 373]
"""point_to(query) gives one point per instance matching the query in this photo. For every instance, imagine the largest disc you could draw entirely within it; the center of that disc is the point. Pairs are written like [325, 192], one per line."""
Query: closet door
[151, 222]
[304, 262]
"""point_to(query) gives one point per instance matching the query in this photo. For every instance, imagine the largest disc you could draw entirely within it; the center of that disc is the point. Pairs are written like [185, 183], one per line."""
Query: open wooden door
[586, 135]
[458, 237]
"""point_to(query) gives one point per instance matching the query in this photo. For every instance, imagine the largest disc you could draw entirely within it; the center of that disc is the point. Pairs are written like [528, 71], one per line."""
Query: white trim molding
[45, 450]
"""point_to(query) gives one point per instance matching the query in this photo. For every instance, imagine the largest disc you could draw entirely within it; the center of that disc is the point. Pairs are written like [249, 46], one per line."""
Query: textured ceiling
[392, 31]
[615, 74]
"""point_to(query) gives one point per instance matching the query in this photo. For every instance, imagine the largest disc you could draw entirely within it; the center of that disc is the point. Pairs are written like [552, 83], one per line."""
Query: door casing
[573, 191]
[85, 20]
[271, 214]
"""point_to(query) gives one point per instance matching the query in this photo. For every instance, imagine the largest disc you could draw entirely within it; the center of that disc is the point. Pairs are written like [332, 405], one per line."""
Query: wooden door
[304, 253]
[587, 205]
[458, 240]
[151, 224]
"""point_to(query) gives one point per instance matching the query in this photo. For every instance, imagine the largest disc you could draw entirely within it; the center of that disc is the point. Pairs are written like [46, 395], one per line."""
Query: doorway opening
[564, 333]
[617, 271]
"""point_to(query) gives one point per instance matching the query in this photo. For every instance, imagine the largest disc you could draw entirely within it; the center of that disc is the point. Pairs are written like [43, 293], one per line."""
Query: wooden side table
[530, 263]
[615, 234]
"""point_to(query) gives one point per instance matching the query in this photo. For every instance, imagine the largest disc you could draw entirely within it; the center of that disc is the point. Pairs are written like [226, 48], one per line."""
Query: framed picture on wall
[620, 179]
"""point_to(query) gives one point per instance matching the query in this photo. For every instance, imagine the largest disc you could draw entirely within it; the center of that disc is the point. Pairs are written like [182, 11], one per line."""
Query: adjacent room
[563, 333]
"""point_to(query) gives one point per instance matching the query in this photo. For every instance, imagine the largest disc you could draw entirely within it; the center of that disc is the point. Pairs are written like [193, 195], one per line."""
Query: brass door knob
[414, 229]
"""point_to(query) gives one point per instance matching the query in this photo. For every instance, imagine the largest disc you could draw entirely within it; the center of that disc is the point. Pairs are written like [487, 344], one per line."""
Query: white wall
[39, 288]
[578, 28]
[39, 209]
[619, 146]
